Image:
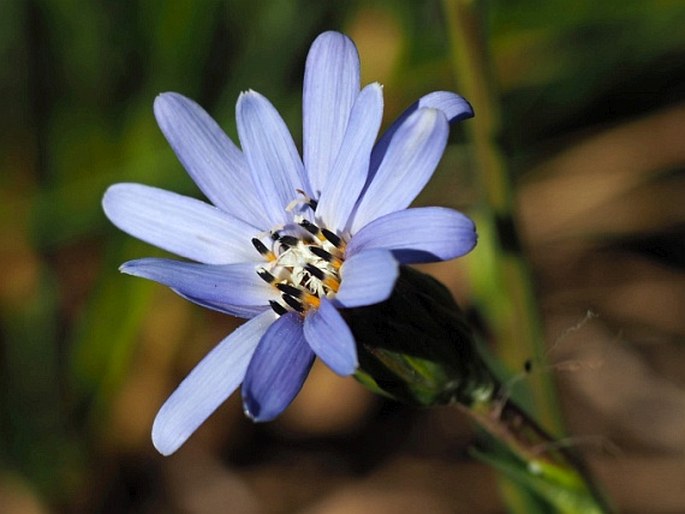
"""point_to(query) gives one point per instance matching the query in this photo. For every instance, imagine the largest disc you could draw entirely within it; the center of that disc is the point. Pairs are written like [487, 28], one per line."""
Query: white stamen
[303, 200]
[292, 255]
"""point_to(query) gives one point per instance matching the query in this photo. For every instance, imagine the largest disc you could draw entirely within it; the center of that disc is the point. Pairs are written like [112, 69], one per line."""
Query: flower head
[288, 240]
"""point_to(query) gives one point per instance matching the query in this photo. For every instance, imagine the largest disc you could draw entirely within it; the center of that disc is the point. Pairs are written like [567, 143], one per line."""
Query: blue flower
[289, 240]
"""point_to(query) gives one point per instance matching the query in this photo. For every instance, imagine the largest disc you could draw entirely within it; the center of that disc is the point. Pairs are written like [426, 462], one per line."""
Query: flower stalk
[416, 347]
[503, 291]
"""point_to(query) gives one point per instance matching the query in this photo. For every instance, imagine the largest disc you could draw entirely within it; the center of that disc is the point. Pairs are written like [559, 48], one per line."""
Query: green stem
[553, 471]
[503, 291]
[513, 311]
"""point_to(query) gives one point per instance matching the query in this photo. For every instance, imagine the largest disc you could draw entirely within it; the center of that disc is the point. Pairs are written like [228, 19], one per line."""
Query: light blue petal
[331, 84]
[239, 311]
[208, 385]
[179, 224]
[331, 339]
[409, 163]
[277, 170]
[216, 165]
[425, 234]
[278, 369]
[454, 107]
[350, 169]
[232, 288]
[367, 278]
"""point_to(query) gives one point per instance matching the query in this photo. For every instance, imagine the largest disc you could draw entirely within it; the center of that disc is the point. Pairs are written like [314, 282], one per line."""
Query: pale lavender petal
[239, 311]
[409, 163]
[278, 369]
[213, 161]
[208, 385]
[277, 169]
[350, 169]
[367, 278]
[331, 84]
[454, 107]
[425, 234]
[331, 339]
[232, 288]
[179, 224]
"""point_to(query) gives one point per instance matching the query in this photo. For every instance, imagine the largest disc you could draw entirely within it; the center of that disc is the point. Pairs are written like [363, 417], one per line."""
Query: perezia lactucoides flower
[288, 240]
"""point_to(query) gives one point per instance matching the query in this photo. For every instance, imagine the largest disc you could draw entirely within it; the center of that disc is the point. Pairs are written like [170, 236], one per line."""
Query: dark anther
[313, 204]
[309, 226]
[277, 307]
[320, 252]
[314, 271]
[292, 302]
[261, 247]
[289, 290]
[332, 238]
[288, 241]
[266, 276]
[275, 235]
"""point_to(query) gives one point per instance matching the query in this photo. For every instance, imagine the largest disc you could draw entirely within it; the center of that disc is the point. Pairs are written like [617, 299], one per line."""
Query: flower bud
[416, 346]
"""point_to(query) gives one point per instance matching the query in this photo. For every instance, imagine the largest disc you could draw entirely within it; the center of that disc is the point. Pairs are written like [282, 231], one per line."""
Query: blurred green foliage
[78, 80]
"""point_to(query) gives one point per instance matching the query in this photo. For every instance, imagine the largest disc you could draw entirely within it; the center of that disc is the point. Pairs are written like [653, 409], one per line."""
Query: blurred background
[591, 97]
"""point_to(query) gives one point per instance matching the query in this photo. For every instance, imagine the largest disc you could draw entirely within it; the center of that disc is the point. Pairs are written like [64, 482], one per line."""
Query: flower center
[303, 262]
